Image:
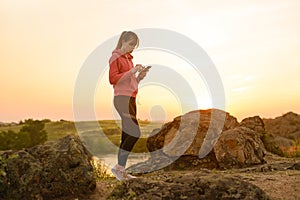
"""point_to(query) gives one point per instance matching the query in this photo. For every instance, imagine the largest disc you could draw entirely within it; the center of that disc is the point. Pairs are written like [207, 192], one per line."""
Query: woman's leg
[126, 107]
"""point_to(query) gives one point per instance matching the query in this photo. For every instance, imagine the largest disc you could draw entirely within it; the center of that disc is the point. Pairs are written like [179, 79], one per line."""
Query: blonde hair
[126, 36]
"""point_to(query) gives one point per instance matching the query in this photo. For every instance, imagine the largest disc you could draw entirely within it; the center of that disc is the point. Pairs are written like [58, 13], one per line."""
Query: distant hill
[285, 131]
[3, 124]
[287, 125]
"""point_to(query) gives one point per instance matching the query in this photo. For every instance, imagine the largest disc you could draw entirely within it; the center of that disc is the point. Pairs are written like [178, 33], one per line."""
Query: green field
[98, 136]
[104, 136]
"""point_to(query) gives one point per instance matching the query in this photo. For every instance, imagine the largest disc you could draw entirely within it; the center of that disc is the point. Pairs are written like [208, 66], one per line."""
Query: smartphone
[147, 68]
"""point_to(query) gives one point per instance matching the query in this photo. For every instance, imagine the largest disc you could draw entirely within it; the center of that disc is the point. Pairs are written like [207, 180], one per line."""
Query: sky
[254, 45]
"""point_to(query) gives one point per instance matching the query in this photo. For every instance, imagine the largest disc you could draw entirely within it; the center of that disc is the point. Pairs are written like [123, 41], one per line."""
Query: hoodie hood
[119, 53]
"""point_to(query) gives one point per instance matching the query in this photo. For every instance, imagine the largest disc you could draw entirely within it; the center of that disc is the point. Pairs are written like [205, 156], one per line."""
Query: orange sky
[255, 46]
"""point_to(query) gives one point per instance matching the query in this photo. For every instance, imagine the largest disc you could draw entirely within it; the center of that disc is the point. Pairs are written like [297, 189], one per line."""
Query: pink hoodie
[120, 76]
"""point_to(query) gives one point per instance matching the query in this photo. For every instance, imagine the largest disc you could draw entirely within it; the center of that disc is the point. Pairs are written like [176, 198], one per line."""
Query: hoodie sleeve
[114, 74]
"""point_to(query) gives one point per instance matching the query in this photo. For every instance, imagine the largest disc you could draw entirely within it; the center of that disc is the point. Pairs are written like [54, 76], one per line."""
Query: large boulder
[181, 143]
[50, 171]
[254, 123]
[242, 145]
[239, 147]
[189, 131]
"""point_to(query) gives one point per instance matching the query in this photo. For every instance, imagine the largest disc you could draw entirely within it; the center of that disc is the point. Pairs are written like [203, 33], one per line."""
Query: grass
[293, 151]
[15, 128]
[91, 132]
[94, 134]
[55, 130]
[60, 129]
[101, 172]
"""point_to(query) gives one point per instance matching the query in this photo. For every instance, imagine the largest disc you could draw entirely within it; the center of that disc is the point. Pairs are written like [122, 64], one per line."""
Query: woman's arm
[114, 74]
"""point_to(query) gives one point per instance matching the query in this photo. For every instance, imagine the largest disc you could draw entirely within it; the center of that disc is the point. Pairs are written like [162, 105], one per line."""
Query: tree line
[32, 133]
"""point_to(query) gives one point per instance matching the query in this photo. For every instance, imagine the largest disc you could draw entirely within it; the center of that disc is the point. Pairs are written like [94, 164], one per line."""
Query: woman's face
[128, 46]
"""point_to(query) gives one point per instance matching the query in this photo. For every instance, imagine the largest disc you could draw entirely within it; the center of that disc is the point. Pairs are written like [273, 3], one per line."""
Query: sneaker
[129, 176]
[119, 174]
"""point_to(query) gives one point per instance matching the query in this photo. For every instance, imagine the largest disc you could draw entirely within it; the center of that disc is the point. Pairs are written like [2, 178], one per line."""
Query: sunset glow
[255, 46]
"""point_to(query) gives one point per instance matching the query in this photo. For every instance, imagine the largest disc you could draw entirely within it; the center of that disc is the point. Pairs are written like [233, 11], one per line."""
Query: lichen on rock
[189, 186]
[52, 170]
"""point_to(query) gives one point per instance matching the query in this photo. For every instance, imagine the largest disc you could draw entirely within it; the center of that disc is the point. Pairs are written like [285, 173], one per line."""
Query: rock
[239, 147]
[190, 131]
[167, 163]
[296, 166]
[52, 170]
[271, 144]
[288, 126]
[156, 162]
[284, 132]
[254, 123]
[272, 167]
[188, 187]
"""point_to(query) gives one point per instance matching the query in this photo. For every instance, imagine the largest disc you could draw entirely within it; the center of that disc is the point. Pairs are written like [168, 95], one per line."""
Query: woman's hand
[137, 68]
[142, 74]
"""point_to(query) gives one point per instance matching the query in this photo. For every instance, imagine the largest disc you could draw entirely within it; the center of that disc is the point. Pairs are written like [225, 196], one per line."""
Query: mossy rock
[188, 187]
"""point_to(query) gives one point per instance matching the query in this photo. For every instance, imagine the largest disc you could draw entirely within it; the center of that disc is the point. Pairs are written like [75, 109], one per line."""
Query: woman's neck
[122, 51]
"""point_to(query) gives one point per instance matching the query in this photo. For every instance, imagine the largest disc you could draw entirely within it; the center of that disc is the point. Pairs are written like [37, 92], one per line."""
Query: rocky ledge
[188, 186]
[56, 169]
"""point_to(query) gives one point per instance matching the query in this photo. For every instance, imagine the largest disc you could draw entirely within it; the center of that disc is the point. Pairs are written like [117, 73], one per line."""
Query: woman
[122, 75]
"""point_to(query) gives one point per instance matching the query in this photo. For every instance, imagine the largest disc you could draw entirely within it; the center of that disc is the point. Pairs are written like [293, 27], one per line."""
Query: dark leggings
[126, 108]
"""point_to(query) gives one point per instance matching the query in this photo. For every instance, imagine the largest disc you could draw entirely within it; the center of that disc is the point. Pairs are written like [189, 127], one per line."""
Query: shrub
[31, 134]
[270, 145]
[36, 131]
[100, 170]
